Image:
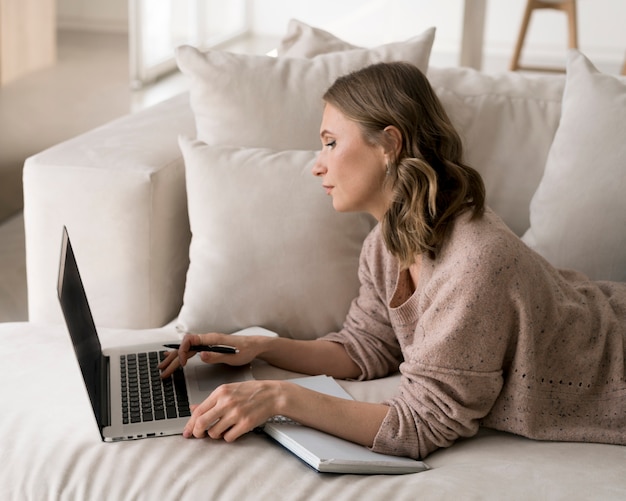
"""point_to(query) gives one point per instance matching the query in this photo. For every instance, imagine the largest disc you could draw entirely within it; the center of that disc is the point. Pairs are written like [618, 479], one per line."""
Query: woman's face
[352, 171]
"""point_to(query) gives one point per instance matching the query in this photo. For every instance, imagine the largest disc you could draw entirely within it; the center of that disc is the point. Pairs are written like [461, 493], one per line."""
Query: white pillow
[507, 122]
[262, 101]
[303, 40]
[578, 214]
[267, 246]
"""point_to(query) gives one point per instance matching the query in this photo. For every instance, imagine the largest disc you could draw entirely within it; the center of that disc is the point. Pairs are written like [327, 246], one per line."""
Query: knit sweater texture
[493, 335]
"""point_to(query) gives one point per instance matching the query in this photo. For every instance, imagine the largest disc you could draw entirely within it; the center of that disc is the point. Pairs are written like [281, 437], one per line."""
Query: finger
[169, 358]
[209, 357]
[202, 424]
[184, 352]
[241, 428]
[169, 369]
[202, 417]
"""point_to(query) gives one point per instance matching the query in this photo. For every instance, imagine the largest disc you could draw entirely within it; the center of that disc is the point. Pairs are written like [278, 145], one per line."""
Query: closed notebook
[327, 453]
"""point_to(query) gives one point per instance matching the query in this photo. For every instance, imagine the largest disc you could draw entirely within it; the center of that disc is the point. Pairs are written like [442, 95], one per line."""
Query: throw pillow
[267, 246]
[578, 213]
[262, 101]
[303, 40]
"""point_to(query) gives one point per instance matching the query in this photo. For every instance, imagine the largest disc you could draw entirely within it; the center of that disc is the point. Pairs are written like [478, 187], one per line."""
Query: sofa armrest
[120, 190]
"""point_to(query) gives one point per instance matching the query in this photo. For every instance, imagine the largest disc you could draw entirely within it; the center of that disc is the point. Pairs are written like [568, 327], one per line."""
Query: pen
[216, 348]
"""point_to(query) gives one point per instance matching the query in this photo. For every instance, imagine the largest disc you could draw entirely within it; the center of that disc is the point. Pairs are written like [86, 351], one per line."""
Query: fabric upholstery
[578, 214]
[267, 246]
[262, 101]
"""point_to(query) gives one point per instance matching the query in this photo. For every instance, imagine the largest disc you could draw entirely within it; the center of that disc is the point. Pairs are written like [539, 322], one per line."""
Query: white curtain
[157, 27]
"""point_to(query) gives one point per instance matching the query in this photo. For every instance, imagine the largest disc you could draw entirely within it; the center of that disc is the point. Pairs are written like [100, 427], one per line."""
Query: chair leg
[570, 9]
[530, 6]
[566, 6]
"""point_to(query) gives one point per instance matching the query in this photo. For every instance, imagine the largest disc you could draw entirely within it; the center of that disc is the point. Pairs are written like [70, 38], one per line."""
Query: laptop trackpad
[203, 378]
[210, 376]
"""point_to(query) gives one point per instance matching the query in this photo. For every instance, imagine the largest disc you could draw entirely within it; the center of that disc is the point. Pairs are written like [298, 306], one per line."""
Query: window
[157, 27]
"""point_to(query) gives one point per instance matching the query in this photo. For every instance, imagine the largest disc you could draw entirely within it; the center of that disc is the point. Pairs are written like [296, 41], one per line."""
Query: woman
[482, 329]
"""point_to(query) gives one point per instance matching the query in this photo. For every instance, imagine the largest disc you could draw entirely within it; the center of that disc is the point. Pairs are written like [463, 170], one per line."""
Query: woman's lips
[328, 188]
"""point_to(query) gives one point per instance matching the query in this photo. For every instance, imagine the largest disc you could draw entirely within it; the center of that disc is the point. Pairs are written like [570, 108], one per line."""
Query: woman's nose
[319, 168]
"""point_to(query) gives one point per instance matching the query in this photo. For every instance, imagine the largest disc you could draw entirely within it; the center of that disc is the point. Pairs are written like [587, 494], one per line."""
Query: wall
[369, 22]
[601, 24]
[94, 15]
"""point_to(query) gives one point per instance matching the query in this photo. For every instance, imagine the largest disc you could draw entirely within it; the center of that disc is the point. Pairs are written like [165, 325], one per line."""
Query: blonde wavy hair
[430, 183]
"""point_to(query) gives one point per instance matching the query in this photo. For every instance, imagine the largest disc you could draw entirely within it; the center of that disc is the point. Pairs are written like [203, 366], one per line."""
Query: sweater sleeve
[367, 334]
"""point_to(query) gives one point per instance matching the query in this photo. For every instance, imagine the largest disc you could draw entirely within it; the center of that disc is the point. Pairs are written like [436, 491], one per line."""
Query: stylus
[217, 348]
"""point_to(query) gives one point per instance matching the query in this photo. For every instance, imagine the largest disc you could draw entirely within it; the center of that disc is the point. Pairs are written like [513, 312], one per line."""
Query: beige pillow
[262, 101]
[267, 246]
[302, 40]
[507, 122]
[578, 214]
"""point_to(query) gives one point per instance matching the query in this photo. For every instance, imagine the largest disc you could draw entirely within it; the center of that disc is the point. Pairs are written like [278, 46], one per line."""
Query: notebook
[330, 454]
[122, 412]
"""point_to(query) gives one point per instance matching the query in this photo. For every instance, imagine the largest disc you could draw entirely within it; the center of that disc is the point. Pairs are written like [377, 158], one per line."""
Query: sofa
[200, 213]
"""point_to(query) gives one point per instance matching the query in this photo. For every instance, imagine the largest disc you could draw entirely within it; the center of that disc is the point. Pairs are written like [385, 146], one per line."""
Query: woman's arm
[235, 409]
[307, 357]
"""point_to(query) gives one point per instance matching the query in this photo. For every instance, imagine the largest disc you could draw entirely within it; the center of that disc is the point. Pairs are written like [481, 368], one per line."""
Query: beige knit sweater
[492, 335]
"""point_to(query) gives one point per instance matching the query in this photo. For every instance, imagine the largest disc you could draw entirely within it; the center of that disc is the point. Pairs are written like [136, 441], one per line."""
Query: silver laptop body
[102, 370]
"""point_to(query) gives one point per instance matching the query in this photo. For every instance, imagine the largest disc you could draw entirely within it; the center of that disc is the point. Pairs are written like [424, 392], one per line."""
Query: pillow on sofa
[578, 214]
[267, 246]
[507, 122]
[262, 101]
[302, 40]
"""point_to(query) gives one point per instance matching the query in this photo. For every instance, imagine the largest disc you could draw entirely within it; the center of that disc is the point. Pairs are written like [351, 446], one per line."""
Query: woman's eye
[331, 144]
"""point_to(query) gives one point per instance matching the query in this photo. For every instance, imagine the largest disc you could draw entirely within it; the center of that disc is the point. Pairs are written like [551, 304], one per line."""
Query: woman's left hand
[234, 409]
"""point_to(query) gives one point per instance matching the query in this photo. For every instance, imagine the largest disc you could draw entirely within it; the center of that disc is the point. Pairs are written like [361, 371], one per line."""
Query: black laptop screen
[81, 327]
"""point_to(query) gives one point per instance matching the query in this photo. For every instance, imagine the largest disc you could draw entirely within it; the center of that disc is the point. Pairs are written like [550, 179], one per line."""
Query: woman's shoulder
[486, 230]
[480, 241]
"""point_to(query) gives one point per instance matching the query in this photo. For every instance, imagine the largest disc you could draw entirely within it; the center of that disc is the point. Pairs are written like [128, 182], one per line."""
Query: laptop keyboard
[147, 397]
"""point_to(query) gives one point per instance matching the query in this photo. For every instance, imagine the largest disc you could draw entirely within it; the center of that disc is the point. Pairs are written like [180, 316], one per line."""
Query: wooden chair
[567, 6]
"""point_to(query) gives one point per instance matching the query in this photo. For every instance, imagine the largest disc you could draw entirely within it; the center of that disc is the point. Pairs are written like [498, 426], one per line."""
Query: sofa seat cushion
[58, 452]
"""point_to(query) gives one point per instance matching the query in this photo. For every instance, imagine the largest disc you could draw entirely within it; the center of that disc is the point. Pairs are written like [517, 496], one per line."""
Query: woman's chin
[339, 207]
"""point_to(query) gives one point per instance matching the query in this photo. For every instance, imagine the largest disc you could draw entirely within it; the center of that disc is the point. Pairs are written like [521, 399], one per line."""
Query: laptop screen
[82, 329]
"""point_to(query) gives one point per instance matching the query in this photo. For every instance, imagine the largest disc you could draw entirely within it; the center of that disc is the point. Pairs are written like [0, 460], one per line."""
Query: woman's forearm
[308, 357]
[355, 421]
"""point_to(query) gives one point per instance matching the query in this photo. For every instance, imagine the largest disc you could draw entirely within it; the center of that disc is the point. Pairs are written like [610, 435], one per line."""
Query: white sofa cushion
[507, 121]
[51, 448]
[303, 40]
[267, 246]
[262, 101]
[578, 214]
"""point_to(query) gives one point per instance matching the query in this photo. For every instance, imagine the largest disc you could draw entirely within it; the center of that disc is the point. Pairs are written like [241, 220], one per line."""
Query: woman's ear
[393, 142]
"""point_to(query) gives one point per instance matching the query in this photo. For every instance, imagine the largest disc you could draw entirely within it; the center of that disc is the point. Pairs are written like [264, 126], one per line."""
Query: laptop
[128, 397]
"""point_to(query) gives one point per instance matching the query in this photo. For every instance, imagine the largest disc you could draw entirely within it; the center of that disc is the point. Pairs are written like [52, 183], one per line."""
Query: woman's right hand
[178, 358]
